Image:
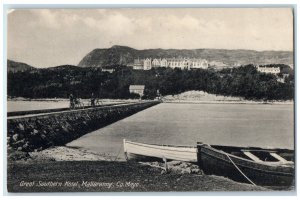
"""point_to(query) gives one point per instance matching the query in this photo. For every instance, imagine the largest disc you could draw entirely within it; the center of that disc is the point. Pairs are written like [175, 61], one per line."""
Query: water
[26, 105]
[258, 125]
[13, 106]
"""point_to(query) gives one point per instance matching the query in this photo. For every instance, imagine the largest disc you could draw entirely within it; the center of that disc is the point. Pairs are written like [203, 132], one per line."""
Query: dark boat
[258, 166]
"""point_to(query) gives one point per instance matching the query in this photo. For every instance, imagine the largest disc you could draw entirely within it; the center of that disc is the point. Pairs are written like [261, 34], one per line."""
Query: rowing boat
[267, 167]
[148, 152]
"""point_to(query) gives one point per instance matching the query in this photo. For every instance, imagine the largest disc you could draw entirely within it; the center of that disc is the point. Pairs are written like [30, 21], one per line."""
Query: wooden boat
[266, 167]
[151, 152]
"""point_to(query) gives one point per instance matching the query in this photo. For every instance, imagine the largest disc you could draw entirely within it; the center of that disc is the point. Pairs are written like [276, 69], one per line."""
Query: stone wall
[38, 132]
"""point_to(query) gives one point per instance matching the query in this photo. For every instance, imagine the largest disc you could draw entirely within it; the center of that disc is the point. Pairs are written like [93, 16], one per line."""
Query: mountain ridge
[124, 55]
[13, 66]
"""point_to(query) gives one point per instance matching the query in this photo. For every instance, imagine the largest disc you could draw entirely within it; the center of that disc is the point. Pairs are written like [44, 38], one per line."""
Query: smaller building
[137, 89]
[268, 70]
[108, 70]
[138, 67]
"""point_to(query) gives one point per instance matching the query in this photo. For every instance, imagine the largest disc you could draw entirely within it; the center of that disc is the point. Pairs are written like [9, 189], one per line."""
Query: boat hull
[149, 152]
[215, 162]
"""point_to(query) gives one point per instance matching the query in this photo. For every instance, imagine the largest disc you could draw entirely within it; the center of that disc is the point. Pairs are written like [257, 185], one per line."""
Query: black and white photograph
[150, 99]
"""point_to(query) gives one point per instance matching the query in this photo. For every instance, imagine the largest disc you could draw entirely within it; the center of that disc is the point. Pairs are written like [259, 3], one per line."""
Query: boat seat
[278, 157]
[253, 157]
[273, 154]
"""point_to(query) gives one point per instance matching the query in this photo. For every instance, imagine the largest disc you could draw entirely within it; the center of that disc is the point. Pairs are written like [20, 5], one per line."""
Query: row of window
[176, 64]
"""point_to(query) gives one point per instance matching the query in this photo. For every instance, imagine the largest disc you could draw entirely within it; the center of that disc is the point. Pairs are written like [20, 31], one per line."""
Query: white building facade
[182, 63]
[147, 64]
[137, 89]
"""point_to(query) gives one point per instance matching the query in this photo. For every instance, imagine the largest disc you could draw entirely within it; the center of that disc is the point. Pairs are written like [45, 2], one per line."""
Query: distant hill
[13, 66]
[123, 55]
[116, 55]
[63, 67]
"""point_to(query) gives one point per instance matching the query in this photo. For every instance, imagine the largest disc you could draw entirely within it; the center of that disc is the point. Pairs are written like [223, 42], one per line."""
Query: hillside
[60, 81]
[116, 55]
[13, 66]
[122, 55]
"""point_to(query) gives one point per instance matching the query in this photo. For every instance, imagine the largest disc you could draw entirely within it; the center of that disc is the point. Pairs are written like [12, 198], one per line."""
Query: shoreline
[201, 97]
[287, 102]
[232, 102]
[66, 99]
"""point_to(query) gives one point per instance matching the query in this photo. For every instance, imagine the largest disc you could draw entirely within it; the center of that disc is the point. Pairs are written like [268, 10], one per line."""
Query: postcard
[150, 99]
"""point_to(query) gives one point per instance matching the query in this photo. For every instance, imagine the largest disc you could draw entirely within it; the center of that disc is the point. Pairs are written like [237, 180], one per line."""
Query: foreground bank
[109, 176]
[64, 169]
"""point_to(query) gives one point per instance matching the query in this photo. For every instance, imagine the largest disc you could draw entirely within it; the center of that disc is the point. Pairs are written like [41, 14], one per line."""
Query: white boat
[147, 152]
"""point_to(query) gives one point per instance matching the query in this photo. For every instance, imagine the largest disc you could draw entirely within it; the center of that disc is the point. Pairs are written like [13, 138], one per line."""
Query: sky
[52, 37]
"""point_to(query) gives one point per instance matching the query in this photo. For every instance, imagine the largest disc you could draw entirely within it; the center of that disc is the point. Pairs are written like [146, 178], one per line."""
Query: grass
[105, 176]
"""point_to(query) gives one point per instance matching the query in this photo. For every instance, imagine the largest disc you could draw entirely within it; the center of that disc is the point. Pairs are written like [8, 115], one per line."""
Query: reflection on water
[186, 124]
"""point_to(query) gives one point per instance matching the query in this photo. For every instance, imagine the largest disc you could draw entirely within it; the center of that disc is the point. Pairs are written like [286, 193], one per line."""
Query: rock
[19, 148]
[21, 127]
[174, 163]
[195, 171]
[20, 142]
[193, 166]
[184, 165]
[186, 171]
[65, 129]
[15, 137]
[25, 146]
[32, 133]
